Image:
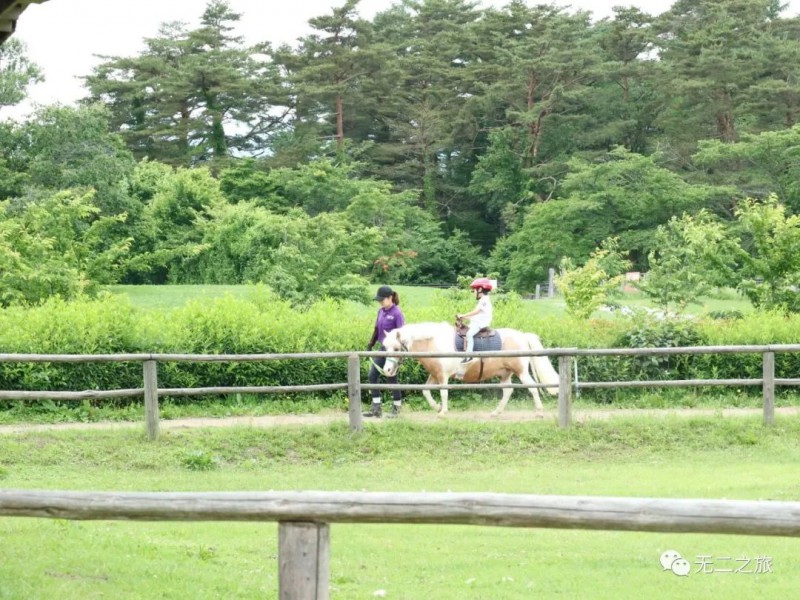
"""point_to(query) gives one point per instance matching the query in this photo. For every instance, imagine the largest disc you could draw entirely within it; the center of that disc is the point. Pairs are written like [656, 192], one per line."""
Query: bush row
[262, 323]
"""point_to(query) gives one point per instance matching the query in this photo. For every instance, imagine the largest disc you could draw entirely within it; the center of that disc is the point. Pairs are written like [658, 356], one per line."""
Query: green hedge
[264, 324]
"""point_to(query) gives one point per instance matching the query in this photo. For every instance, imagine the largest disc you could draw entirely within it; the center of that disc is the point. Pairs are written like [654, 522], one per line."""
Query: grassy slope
[638, 457]
[172, 296]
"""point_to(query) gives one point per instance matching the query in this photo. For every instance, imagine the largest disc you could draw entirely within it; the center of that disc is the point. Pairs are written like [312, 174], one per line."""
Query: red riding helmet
[482, 283]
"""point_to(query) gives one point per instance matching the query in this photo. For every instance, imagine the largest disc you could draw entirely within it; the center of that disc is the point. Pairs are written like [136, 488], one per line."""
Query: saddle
[486, 332]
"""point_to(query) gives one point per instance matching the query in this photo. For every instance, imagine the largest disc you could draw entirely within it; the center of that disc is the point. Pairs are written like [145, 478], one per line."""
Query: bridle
[396, 360]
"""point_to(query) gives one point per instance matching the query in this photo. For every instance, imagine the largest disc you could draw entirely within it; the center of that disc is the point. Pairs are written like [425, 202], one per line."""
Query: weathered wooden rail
[304, 517]
[354, 386]
[10, 12]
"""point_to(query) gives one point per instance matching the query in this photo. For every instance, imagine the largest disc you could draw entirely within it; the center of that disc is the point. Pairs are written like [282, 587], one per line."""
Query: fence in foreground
[354, 386]
[304, 517]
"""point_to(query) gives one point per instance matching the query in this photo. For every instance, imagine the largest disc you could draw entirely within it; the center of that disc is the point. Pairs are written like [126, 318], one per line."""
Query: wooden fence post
[769, 388]
[354, 391]
[151, 398]
[303, 561]
[564, 391]
[551, 282]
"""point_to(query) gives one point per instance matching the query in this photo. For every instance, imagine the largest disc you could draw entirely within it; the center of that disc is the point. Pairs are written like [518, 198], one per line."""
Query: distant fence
[354, 386]
[545, 289]
[304, 517]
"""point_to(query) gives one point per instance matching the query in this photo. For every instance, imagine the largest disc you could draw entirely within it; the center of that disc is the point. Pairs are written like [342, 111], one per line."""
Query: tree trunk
[534, 129]
[219, 144]
[725, 128]
[183, 134]
[339, 122]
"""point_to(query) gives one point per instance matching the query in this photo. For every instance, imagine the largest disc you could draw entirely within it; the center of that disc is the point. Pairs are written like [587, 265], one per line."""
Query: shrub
[199, 460]
[104, 326]
[263, 324]
[647, 331]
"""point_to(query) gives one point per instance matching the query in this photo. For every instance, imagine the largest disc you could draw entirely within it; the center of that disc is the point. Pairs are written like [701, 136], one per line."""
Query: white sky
[63, 36]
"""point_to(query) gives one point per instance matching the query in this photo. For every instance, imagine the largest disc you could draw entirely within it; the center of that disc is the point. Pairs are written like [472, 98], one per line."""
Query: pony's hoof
[539, 415]
[494, 414]
[441, 413]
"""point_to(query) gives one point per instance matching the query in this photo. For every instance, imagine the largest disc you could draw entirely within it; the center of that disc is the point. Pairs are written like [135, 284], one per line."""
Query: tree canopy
[435, 139]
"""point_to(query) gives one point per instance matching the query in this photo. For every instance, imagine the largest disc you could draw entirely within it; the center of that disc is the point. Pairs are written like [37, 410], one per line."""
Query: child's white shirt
[484, 316]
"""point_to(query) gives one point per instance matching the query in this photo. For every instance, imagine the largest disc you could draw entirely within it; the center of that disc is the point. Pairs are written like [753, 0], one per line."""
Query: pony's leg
[428, 395]
[444, 393]
[506, 395]
[527, 379]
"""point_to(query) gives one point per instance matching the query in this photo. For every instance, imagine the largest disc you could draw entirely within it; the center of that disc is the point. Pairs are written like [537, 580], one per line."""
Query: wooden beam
[303, 561]
[768, 388]
[354, 392]
[84, 395]
[150, 372]
[564, 391]
[12, 6]
[508, 510]
[10, 11]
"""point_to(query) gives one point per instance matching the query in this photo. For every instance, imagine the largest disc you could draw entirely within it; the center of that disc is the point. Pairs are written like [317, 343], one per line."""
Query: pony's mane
[425, 331]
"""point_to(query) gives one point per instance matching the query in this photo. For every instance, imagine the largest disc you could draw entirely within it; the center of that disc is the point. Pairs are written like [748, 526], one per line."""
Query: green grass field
[689, 457]
[699, 457]
[173, 296]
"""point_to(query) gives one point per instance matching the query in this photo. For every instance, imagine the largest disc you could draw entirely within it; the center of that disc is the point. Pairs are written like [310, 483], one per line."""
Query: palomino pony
[441, 337]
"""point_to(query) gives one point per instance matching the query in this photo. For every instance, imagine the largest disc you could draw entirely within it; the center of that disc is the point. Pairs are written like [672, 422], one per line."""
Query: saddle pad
[482, 344]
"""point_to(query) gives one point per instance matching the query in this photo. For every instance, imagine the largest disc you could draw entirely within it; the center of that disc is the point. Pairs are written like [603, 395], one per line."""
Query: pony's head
[394, 342]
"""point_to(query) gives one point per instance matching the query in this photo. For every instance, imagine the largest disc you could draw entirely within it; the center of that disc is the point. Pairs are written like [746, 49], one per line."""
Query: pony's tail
[542, 369]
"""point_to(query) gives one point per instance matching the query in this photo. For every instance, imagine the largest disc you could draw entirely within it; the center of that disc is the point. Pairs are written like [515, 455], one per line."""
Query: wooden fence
[304, 517]
[354, 386]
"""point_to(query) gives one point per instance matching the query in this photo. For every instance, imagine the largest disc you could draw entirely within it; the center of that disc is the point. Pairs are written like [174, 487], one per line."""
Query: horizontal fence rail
[752, 517]
[85, 395]
[82, 358]
[304, 517]
[355, 387]
[268, 389]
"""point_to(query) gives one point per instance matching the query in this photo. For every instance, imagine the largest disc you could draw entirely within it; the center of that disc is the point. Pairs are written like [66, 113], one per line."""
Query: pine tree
[193, 96]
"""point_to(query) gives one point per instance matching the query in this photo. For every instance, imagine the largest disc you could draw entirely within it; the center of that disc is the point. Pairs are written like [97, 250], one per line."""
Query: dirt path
[417, 416]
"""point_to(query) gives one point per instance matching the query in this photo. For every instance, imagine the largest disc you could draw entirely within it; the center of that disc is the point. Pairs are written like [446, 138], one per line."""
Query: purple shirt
[388, 319]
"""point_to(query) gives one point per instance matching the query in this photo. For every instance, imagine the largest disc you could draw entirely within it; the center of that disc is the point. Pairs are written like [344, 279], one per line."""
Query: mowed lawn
[696, 457]
[175, 296]
[678, 458]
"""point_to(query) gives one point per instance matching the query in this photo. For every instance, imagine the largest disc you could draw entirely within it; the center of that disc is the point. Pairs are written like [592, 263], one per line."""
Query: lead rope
[377, 368]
